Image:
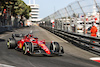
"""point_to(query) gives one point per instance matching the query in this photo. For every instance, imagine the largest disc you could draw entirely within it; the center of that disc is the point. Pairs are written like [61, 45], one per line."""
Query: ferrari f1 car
[30, 45]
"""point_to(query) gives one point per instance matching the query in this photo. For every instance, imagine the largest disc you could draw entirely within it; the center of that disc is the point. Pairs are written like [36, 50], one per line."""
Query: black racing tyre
[62, 49]
[27, 48]
[11, 43]
[24, 49]
[55, 46]
[51, 46]
[30, 46]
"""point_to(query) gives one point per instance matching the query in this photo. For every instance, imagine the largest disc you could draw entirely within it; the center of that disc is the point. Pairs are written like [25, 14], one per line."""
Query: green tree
[22, 9]
[18, 7]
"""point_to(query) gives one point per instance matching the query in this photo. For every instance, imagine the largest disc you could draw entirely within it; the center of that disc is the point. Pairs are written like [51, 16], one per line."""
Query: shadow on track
[40, 55]
[2, 40]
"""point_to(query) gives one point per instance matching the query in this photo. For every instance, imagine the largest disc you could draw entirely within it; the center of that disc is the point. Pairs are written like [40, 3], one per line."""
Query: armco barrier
[2, 29]
[81, 40]
[6, 28]
[9, 28]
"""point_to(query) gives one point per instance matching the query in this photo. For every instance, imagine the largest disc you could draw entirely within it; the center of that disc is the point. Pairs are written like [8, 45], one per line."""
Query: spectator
[94, 30]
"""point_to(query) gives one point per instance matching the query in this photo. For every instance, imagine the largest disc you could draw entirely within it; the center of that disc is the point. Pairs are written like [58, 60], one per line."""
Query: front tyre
[27, 48]
[24, 49]
[55, 46]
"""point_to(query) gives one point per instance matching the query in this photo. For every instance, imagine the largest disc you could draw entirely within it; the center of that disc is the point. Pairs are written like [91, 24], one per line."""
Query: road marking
[4, 65]
[96, 59]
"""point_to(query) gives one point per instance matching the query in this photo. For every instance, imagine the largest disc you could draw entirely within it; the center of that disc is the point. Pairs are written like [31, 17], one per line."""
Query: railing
[81, 40]
[84, 11]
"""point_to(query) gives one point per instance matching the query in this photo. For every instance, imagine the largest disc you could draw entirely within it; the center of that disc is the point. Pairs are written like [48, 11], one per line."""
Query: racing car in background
[30, 45]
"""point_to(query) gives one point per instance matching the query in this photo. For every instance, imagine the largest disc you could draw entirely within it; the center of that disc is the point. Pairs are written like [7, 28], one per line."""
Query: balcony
[34, 7]
[35, 19]
[34, 13]
[34, 10]
[34, 16]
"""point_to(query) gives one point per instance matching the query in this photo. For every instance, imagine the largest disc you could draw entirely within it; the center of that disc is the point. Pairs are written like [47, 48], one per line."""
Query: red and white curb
[4, 65]
[96, 59]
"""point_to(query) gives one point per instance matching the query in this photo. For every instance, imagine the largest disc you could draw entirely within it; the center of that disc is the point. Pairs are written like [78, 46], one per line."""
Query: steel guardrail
[80, 39]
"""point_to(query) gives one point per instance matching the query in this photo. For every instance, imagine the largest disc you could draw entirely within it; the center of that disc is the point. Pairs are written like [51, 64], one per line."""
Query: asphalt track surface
[73, 56]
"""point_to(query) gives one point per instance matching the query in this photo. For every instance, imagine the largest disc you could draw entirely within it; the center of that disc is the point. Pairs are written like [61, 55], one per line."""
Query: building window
[34, 17]
[34, 11]
[34, 14]
[34, 8]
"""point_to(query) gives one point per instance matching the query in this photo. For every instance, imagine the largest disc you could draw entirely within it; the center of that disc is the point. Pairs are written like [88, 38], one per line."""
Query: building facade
[34, 12]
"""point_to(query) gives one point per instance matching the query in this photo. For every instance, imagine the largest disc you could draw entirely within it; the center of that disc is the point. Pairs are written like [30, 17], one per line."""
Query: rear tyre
[11, 43]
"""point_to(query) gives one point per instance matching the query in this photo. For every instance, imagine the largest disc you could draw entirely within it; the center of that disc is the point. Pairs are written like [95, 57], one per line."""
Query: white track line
[95, 58]
[4, 65]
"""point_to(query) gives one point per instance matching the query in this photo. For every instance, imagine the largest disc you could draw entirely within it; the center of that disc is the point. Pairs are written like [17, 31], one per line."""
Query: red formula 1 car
[30, 45]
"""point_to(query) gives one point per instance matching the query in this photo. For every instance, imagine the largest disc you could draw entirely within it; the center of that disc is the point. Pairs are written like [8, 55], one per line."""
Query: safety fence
[72, 23]
[81, 12]
[85, 42]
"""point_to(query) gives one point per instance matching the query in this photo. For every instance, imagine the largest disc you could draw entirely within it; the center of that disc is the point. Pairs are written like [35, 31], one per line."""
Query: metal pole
[57, 19]
[61, 21]
[66, 17]
[54, 19]
[99, 12]
[84, 18]
[75, 20]
[49, 21]
[70, 20]
[64, 20]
